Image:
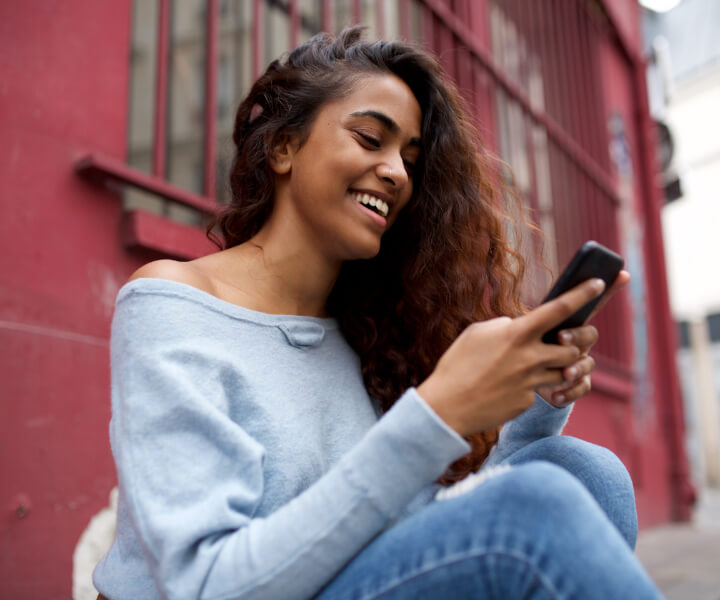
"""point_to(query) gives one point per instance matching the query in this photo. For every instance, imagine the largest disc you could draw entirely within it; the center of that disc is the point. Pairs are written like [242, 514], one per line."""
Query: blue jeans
[560, 524]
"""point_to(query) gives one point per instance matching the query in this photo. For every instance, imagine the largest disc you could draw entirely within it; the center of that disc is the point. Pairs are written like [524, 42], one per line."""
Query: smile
[373, 203]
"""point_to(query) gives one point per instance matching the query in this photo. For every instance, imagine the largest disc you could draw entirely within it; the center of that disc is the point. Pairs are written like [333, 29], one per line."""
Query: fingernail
[598, 285]
[571, 373]
[560, 399]
[565, 337]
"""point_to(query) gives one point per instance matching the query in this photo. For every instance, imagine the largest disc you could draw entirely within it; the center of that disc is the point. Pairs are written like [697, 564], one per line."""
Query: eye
[369, 139]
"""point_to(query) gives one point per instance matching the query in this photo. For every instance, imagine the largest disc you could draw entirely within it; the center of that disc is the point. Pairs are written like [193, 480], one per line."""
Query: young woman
[283, 409]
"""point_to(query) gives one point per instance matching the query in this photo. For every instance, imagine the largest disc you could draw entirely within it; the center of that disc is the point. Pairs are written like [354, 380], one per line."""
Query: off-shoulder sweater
[251, 461]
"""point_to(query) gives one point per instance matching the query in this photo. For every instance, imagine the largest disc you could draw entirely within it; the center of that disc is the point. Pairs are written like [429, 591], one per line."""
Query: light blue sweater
[251, 461]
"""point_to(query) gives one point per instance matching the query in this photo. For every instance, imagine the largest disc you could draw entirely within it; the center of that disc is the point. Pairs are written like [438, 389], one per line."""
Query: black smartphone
[591, 261]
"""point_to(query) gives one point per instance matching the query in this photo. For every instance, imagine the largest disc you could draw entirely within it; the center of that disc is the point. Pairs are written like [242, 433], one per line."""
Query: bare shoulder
[174, 270]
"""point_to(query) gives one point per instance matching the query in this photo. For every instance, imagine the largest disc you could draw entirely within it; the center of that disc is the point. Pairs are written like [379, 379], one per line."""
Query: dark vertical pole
[524, 52]
[579, 71]
[380, 18]
[483, 84]
[161, 91]
[427, 26]
[327, 16]
[463, 76]
[562, 108]
[258, 37]
[591, 38]
[404, 17]
[356, 12]
[575, 205]
[294, 24]
[593, 215]
[211, 68]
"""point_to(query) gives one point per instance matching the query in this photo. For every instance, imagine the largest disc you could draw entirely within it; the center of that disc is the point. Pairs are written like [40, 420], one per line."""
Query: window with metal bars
[191, 63]
[531, 73]
[552, 129]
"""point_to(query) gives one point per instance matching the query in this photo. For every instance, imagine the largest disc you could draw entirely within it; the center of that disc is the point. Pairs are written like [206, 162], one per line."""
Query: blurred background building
[116, 120]
[684, 93]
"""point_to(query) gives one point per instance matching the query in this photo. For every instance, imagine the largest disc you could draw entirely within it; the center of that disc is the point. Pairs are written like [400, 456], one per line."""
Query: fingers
[620, 282]
[568, 384]
[581, 388]
[580, 369]
[583, 337]
[572, 374]
[552, 356]
[546, 316]
[548, 381]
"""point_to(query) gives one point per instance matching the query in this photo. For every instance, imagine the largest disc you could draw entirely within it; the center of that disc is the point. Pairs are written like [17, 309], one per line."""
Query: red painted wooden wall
[63, 91]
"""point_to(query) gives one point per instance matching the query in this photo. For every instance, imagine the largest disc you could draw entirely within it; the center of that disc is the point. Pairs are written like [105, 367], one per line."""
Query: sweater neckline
[155, 285]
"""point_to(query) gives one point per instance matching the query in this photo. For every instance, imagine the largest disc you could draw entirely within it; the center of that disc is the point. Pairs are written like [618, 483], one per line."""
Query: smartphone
[591, 261]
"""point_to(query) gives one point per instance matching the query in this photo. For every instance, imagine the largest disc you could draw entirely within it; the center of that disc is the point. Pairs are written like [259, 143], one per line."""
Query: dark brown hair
[447, 260]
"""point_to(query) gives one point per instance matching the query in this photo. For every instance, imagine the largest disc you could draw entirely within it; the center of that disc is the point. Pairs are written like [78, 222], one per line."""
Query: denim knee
[540, 487]
[530, 531]
[597, 468]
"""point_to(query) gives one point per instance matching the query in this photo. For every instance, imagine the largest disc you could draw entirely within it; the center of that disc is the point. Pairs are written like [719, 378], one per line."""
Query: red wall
[63, 92]
[634, 428]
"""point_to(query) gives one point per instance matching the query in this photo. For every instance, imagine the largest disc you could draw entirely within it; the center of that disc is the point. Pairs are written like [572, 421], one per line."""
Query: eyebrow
[391, 125]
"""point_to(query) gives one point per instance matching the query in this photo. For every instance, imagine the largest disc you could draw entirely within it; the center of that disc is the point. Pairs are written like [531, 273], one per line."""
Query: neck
[285, 275]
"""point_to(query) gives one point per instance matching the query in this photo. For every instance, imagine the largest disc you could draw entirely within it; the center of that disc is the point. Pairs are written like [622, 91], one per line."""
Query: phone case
[592, 260]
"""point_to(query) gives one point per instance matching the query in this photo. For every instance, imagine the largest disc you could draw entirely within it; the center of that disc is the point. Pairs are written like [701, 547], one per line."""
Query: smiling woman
[287, 410]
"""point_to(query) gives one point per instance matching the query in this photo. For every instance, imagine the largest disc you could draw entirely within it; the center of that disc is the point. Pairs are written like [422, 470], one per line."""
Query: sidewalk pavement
[684, 559]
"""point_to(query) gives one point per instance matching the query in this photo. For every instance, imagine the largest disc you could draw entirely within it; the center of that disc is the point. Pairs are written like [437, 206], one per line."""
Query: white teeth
[369, 200]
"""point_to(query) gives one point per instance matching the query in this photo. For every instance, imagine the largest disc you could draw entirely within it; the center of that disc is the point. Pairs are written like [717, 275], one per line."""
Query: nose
[392, 171]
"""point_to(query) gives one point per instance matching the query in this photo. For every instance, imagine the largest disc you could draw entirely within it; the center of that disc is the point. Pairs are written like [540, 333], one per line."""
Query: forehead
[383, 93]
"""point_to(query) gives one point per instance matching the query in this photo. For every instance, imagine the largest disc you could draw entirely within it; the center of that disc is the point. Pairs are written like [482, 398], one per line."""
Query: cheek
[332, 168]
[405, 199]
[319, 182]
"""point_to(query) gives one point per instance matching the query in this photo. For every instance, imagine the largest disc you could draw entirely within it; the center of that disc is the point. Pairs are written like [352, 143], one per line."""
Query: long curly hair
[446, 262]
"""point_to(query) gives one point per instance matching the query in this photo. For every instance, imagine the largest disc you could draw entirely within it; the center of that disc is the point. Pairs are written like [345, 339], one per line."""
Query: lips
[372, 202]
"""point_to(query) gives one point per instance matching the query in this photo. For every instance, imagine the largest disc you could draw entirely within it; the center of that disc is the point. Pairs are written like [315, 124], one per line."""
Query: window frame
[159, 234]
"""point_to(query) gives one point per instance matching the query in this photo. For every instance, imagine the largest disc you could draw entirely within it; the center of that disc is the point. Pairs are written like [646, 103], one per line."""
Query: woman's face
[353, 175]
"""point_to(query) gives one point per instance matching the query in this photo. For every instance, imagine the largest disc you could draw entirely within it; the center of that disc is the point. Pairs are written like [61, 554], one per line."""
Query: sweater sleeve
[193, 478]
[539, 421]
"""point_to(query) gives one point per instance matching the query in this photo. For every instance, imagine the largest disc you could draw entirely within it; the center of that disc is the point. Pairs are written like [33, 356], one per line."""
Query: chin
[366, 255]
[364, 251]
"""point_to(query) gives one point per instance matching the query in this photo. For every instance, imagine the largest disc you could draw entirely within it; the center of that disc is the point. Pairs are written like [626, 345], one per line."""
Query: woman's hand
[577, 376]
[489, 374]
[576, 382]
